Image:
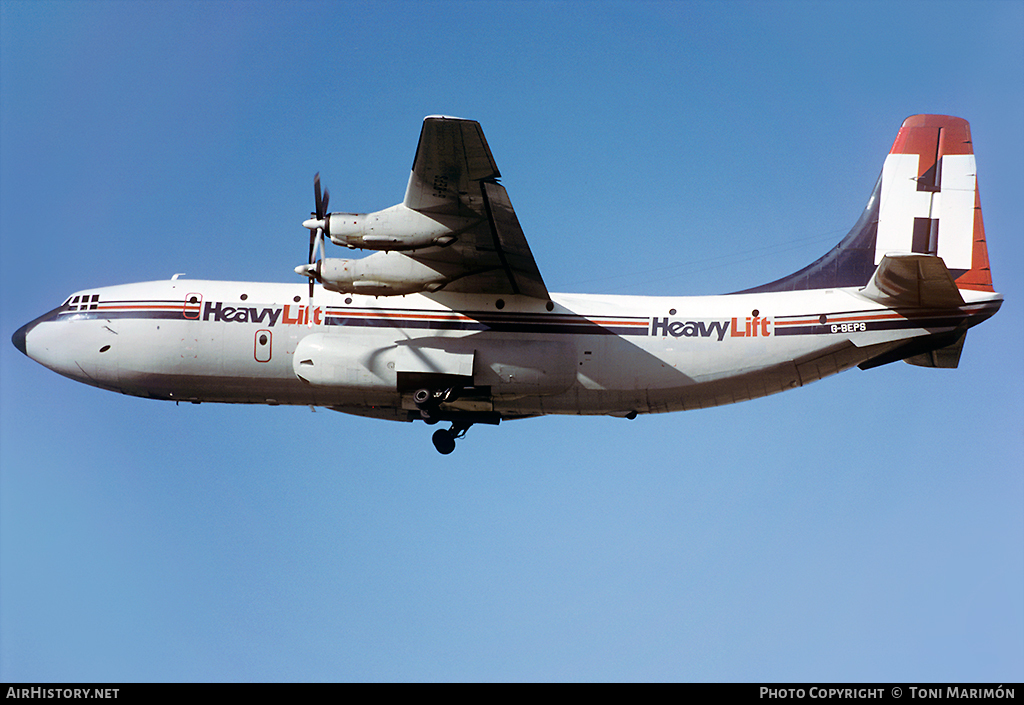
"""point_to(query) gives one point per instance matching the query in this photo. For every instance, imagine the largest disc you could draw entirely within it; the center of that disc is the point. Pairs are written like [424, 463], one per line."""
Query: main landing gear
[444, 440]
[429, 401]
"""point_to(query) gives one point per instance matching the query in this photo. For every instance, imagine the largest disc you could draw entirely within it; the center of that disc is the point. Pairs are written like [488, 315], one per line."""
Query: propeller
[317, 224]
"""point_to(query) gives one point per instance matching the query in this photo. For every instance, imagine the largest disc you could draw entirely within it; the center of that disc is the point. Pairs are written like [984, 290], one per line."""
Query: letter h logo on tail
[929, 198]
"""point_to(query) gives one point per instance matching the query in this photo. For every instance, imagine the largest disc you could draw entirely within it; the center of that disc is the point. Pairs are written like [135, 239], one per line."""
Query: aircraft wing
[454, 173]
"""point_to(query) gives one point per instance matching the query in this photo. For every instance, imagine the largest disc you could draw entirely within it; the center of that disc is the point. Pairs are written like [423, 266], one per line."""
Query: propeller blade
[316, 239]
[319, 249]
[312, 280]
[316, 248]
[318, 201]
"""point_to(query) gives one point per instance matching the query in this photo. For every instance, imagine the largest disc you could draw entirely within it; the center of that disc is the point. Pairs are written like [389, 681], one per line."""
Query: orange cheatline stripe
[171, 307]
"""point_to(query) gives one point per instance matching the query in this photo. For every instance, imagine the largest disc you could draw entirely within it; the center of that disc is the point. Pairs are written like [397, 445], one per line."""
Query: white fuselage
[244, 342]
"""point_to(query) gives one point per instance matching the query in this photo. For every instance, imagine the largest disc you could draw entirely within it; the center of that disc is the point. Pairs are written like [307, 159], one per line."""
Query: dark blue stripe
[942, 322]
[510, 326]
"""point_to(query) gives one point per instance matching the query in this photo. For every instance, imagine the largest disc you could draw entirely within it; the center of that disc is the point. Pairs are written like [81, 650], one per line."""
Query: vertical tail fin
[925, 201]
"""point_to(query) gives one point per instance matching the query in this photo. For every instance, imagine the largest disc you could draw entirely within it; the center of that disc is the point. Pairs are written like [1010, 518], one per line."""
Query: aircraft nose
[19, 337]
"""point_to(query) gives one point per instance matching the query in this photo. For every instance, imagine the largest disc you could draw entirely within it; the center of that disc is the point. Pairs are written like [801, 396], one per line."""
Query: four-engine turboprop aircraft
[450, 320]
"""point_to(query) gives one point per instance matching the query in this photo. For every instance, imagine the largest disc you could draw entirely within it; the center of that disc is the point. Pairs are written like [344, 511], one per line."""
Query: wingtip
[443, 117]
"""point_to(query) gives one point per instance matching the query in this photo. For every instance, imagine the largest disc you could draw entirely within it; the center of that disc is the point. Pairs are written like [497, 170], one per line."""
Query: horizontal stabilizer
[937, 350]
[946, 357]
[913, 280]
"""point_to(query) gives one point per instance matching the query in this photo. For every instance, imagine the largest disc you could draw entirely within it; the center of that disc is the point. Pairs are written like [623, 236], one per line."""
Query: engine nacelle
[394, 228]
[380, 274]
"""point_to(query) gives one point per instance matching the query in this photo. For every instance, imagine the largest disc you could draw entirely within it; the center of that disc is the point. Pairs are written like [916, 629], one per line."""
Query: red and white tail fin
[929, 199]
[925, 201]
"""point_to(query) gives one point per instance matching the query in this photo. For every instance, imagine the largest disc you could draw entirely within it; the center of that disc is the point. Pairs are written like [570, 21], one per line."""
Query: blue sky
[866, 527]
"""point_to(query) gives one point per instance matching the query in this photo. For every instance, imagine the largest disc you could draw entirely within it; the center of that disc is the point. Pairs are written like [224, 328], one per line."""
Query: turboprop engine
[394, 228]
[380, 274]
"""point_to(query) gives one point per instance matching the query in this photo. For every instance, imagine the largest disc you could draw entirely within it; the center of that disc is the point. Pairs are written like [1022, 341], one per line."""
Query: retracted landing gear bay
[429, 401]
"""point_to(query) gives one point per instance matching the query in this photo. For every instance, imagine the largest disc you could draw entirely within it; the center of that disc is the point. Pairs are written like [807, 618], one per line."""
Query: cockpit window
[83, 303]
